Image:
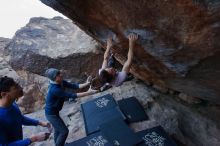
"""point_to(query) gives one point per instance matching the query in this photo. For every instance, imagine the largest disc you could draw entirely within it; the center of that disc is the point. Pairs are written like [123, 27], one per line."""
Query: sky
[15, 14]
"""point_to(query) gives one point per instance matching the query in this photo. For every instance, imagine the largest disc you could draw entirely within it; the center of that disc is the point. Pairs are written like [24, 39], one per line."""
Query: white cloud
[15, 14]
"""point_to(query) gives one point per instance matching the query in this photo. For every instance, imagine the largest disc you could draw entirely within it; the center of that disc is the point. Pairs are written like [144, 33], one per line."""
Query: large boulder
[57, 42]
[178, 47]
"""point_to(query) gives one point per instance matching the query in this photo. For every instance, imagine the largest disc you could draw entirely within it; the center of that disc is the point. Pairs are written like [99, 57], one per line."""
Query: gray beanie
[51, 73]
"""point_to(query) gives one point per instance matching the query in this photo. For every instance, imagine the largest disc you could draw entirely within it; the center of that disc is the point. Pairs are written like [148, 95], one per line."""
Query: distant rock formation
[179, 42]
[45, 43]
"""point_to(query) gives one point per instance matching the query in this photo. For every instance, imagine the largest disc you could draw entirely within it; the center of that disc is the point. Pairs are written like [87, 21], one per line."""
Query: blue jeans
[60, 129]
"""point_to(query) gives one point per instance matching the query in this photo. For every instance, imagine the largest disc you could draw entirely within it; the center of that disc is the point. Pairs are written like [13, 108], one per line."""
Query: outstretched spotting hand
[89, 80]
[40, 137]
[92, 91]
[46, 124]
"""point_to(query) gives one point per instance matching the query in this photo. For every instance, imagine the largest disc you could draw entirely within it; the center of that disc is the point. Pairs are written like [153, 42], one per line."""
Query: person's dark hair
[6, 83]
[105, 76]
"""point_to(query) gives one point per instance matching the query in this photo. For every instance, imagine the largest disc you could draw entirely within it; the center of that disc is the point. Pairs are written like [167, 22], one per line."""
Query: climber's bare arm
[107, 53]
[132, 40]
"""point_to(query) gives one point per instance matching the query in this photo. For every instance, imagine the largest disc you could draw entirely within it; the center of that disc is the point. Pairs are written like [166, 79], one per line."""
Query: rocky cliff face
[178, 46]
[45, 43]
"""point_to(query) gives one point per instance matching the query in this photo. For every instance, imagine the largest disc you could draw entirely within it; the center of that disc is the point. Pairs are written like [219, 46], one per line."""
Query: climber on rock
[107, 73]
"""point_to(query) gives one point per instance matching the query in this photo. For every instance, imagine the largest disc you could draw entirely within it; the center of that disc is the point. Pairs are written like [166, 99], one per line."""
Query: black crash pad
[96, 139]
[155, 137]
[93, 121]
[119, 134]
[132, 109]
[98, 111]
[99, 104]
